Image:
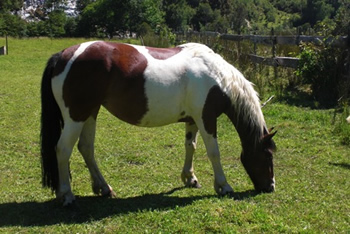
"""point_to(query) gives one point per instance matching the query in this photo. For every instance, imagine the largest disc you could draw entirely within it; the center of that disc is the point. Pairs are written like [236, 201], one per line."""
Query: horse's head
[258, 162]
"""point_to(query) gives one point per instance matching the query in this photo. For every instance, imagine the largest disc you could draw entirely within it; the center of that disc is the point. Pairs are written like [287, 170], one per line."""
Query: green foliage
[107, 18]
[10, 5]
[148, 11]
[342, 18]
[163, 37]
[204, 15]
[322, 67]
[81, 4]
[178, 14]
[12, 25]
[56, 23]
[316, 11]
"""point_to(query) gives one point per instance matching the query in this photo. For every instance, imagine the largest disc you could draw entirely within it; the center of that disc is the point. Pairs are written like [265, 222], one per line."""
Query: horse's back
[140, 85]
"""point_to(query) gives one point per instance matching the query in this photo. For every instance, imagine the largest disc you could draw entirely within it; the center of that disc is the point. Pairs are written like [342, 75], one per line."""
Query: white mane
[240, 91]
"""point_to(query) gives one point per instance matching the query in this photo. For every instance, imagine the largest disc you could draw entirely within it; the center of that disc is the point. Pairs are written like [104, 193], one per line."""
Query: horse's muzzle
[268, 189]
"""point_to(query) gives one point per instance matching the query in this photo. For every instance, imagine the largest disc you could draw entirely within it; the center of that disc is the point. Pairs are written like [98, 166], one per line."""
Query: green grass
[144, 165]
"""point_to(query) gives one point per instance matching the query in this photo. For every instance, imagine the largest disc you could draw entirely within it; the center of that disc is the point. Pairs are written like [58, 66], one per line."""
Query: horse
[148, 87]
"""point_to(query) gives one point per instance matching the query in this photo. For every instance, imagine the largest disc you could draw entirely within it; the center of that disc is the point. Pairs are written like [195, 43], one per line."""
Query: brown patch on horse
[66, 55]
[163, 53]
[187, 119]
[108, 74]
[216, 103]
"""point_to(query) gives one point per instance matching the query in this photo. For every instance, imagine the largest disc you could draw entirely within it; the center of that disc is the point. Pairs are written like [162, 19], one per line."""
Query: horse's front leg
[220, 184]
[187, 175]
[86, 148]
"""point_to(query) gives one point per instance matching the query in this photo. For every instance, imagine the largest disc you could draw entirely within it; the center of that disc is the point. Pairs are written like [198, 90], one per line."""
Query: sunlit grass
[144, 165]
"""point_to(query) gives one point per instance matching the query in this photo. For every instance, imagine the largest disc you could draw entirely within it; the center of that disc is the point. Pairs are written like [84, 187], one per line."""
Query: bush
[323, 67]
[12, 25]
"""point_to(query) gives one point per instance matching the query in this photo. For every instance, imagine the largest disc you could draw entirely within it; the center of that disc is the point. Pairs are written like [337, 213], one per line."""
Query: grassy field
[143, 165]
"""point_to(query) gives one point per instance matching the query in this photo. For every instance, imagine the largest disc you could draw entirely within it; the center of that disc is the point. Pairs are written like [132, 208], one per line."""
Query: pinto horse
[148, 87]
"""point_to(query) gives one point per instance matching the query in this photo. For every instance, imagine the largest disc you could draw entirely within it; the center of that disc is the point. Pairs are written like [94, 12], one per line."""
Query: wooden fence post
[3, 49]
[7, 45]
[255, 52]
[273, 38]
[347, 69]
[274, 61]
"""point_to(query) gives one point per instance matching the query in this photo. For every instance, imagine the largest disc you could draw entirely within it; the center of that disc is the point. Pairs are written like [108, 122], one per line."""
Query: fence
[272, 40]
[240, 50]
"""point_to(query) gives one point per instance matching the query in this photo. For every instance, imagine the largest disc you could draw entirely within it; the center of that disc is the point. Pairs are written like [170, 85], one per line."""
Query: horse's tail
[51, 127]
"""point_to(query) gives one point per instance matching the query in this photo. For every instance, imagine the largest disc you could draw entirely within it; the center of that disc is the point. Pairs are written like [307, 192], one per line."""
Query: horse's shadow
[343, 165]
[90, 208]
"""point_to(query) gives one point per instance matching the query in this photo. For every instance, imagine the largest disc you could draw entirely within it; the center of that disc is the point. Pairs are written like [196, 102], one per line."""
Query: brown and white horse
[148, 87]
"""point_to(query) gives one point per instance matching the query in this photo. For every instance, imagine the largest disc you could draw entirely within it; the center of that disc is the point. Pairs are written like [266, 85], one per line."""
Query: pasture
[143, 166]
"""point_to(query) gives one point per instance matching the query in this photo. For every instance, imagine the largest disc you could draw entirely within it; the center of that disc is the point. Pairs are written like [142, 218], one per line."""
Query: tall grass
[143, 166]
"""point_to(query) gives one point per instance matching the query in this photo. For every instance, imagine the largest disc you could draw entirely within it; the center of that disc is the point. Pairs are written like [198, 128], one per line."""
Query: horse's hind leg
[187, 175]
[68, 138]
[86, 148]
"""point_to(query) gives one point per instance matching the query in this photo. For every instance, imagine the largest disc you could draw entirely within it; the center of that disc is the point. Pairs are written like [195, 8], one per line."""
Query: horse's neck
[245, 111]
[248, 121]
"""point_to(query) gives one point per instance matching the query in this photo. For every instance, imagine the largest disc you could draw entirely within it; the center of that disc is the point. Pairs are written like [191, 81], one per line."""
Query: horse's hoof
[67, 198]
[225, 190]
[109, 192]
[190, 181]
[227, 194]
[68, 201]
[194, 184]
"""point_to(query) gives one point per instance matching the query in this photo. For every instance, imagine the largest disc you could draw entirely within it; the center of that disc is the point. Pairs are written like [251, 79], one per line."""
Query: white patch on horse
[176, 85]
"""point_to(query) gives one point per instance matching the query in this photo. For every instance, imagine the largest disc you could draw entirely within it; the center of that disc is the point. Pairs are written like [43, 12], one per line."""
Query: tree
[10, 5]
[238, 15]
[342, 18]
[81, 4]
[94, 19]
[178, 14]
[118, 16]
[314, 11]
[56, 23]
[145, 11]
[12, 25]
[203, 16]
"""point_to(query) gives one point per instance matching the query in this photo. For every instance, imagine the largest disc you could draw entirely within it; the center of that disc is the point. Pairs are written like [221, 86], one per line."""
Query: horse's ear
[268, 131]
[268, 143]
[267, 137]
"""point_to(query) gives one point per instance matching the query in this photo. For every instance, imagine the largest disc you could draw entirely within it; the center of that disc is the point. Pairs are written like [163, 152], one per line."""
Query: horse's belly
[156, 109]
[166, 97]
[162, 113]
